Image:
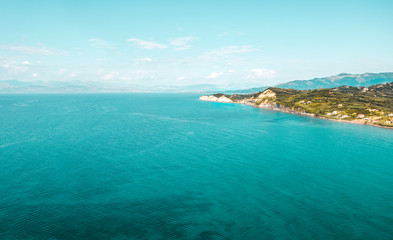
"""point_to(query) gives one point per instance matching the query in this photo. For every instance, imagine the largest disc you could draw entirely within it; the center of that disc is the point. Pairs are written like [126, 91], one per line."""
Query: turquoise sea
[168, 166]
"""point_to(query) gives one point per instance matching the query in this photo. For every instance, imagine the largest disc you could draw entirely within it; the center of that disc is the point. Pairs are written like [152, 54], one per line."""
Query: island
[363, 105]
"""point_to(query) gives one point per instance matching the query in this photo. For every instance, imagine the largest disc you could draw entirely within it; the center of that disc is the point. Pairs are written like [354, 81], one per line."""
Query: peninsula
[363, 105]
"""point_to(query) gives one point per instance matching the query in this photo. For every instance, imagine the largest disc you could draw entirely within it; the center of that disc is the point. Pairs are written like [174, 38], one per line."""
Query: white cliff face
[215, 99]
[208, 98]
[267, 94]
[264, 100]
[267, 99]
[224, 99]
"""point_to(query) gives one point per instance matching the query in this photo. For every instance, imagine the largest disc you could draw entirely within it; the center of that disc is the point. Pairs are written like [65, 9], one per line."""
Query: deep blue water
[162, 166]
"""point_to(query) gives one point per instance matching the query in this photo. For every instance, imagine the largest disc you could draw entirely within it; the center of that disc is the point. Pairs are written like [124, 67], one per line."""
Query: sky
[231, 44]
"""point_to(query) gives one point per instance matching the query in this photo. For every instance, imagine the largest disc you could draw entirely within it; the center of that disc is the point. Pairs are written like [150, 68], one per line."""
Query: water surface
[167, 166]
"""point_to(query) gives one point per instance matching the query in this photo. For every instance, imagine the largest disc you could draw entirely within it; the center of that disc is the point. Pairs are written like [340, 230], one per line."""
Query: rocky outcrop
[266, 100]
[267, 94]
[213, 98]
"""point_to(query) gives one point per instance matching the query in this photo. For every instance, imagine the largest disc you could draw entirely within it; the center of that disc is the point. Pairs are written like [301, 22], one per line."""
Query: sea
[168, 166]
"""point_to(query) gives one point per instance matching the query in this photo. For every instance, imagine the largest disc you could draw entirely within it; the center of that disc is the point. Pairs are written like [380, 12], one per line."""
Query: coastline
[288, 110]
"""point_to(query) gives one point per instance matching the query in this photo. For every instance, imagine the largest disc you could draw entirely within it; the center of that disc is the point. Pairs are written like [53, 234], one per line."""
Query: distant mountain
[343, 79]
[15, 86]
[245, 91]
[355, 80]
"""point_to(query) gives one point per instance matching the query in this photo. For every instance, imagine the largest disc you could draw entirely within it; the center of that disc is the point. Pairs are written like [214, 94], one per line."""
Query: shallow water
[167, 166]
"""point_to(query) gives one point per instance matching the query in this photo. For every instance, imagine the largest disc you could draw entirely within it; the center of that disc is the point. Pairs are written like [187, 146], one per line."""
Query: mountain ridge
[347, 79]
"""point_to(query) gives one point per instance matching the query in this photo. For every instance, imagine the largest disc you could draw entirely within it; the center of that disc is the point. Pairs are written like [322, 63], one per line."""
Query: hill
[367, 105]
[354, 80]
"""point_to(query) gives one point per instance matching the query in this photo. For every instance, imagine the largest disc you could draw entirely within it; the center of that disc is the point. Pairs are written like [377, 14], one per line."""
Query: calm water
[161, 166]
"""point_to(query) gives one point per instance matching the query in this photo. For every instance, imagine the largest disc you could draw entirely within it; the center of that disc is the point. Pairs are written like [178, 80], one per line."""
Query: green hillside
[372, 105]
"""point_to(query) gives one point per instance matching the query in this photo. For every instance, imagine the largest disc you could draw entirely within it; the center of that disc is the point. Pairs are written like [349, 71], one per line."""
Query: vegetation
[372, 105]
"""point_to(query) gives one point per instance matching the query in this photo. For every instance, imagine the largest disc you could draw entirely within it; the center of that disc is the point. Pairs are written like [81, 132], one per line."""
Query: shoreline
[294, 112]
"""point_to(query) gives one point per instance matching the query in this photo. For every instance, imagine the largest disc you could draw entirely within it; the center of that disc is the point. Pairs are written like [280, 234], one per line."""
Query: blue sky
[233, 44]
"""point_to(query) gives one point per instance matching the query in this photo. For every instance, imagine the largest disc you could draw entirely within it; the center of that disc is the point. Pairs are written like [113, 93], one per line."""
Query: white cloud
[103, 59]
[72, 75]
[231, 71]
[100, 71]
[261, 73]
[13, 67]
[62, 71]
[125, 78]
[134, 75]
[7, 65]
[214, 75]
[223, 34]
[145, 60]
[26, 63]
[145, 44]
[111, 75]
[124, 75]
[34, 75]
[29, 50]
[228, 50]
[99, 43]
[138, 74]
[181, 78]
[181, 43]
